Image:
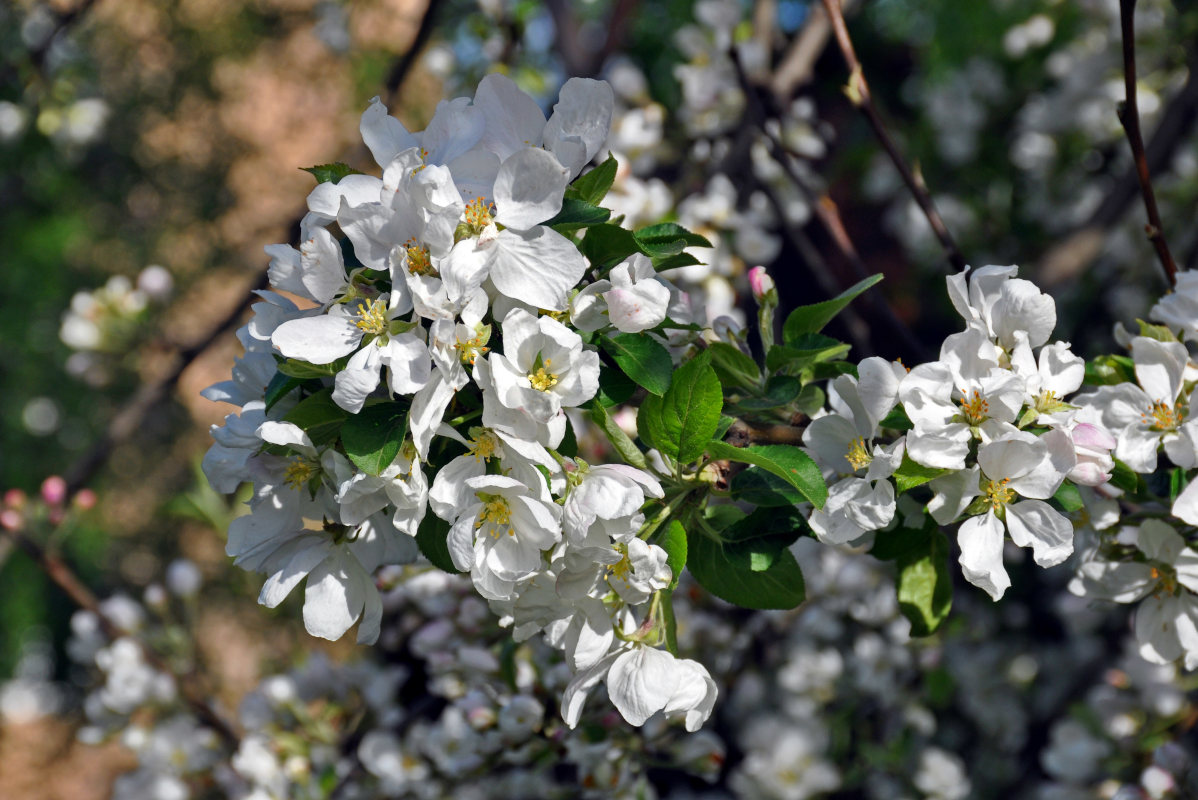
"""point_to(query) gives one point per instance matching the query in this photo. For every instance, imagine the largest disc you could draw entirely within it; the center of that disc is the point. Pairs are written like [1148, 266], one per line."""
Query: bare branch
[1129, 115]
[399, 72]
[859, 95]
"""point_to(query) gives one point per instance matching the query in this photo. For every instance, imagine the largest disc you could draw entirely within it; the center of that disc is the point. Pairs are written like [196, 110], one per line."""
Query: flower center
[483, 444]
[998, 495]
[478, 215]
[419, 260]
[497, 512]
[857, 456]
[1166, 578]
[542, 380]
[974, 407]
[1163, 417]
[300, 472]
[471, 349]
[373, 320]
[621, 568]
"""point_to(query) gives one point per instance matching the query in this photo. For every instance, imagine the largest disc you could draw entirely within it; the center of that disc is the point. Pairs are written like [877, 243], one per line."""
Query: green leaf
[1109, 370]
[793, 360]
[1068, 497]
[593, 186]
[319, 417]
[925, 589]
[614, 386]
[1177, 482]
[910, 474]
[294, 368]
[763, 488]
[897, 420]
[780, 390]
[431, 538]
[331, 173]
[619, 440]
[576, 214]
[733, 367]
[766, 533]
[1125, 478]
[813, 318]
[787, 462]
[681, 422]
[671, 624]
[662, 263]
[642, 358]
[673, 541]
[1158, 332]
[279, 387]
[722, 428]
[810, 400]
[374, 436]
[897, 543]
[667, 239]
[607, 245]
[733, 573]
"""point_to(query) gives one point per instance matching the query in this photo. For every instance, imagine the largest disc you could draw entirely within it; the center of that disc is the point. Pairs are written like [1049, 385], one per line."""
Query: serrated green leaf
[911, 474]
[614, 386]
[642, 358]
[629, 452]
[663, 263]
[780, 390]
[673, 541]
[374, 436]
[813, 318]
[681, 422]
[431, 538]
[733, 573]
[787, 462]
[667, 239]
[319, 417]
[595, 184]
[766, 533]
[331, 173]
[607, 245]
[1069, 498]
[763, 488]
[925, 589]
[733, 367]
[577, 214]
[793, 360]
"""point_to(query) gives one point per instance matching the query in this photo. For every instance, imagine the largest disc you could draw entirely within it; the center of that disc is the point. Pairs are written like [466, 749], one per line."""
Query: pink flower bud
[54, 490]
[10, 520]
[85, 500]
[761, 283]
[1093, 445]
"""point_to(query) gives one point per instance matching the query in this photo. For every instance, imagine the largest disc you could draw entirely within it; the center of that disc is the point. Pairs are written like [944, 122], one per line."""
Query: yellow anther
[300, 471]
[470, 349]
[483, 444]
[974, 407]
[419, 260]
[478, 214]
[541, 380]
[998, 494]
[497, 512]
[373, 320]
[858, 456]
[1163, 417]
[621, 568]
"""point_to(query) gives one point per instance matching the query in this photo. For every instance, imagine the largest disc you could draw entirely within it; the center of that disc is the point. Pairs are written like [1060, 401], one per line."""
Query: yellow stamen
[483, 444]
[471, 349]
[857, 456]
[621, 568]
[419, 260]
[998, 494]
[300, 471]
[1163, 417]
[373, 320]
[478, 215]
[974, 407]
[541, 380]
[497, 512]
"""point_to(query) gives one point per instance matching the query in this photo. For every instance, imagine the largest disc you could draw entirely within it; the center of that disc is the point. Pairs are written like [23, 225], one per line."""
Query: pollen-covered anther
[470, 350]
[373, 319]
[542, 380]
[975, 407]
[478, 213]
[1163, 417]
[483, 445]
[858, 455]
[419, 260]
[621, 568]
[299, 472]
[998, 495]
[497, 512]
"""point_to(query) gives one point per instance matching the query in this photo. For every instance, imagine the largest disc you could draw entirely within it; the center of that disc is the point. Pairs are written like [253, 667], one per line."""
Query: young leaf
[374, 436]
[593, 186]
[642, 358]
[786, 461]
[279, 387]
[319, 417]
[607, 245]
[1069, 498]
[431, 539]
[295, 368]
[910, 474]
[577, 214]
[681, 422]
[925, 588]
[667, 239]
[673, 541]
[733, 367]
[732, 572]
[662, 263]
[331, 173]
[619, 440]
[813, 318]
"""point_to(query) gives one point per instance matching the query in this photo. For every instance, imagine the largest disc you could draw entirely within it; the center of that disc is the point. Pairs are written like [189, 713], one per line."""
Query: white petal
[359, 378]
[580, 122]
[408, 363]
[513, 119]
[317, 340]
[1160, 367]
[538, 267]
[384, 134]
[1036, 523]
[529, 189]
[641, 682]
[981, 541]
[334, 596]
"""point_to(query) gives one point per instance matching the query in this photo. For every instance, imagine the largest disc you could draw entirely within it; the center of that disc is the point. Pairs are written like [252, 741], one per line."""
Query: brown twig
[1129, 116]
[859, 94]
[403, 66]
[65, 578]
[578, 59]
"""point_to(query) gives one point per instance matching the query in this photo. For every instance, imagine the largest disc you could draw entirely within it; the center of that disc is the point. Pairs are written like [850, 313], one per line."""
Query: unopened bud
[764, 290]
[54, 490]
[85, 500]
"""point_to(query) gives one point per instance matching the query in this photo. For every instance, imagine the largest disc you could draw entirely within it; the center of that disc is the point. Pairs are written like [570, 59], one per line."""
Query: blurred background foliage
[172, 133]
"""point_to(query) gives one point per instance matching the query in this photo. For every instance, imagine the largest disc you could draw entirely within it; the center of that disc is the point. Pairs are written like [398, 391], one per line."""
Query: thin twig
[403, 66]
[1129, 115]
[65, 578]
[859, 94]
